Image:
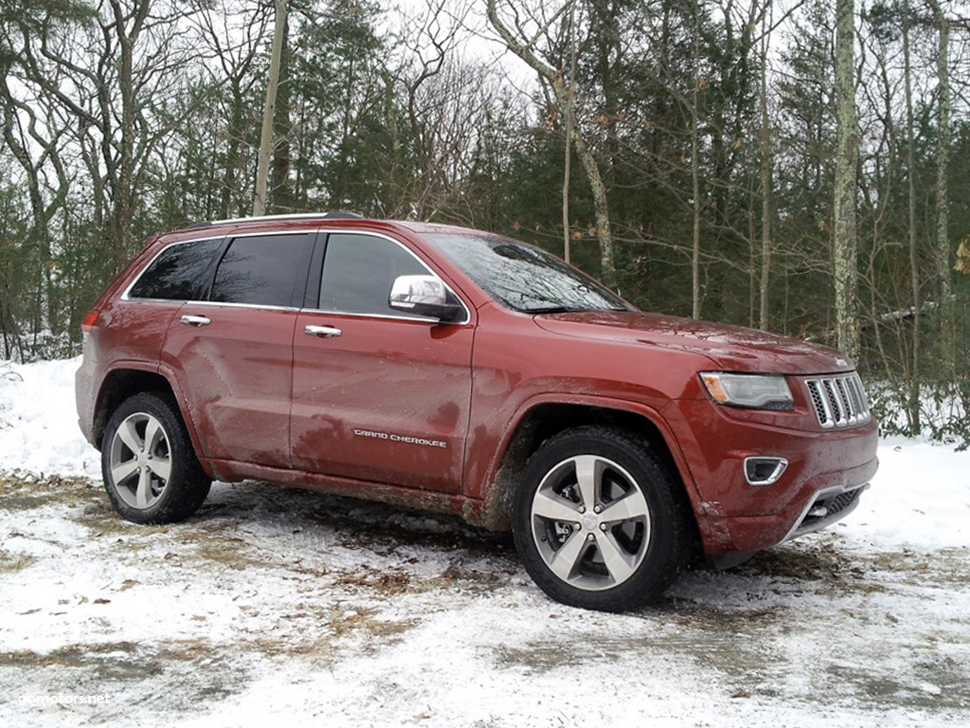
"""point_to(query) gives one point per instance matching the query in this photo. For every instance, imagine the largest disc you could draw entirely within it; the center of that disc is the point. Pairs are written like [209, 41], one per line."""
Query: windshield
[524, 277]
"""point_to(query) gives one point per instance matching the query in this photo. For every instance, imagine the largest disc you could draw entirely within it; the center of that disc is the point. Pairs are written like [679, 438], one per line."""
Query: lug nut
[598, 509]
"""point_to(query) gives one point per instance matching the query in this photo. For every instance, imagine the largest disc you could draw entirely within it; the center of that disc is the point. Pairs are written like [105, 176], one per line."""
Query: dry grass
[10, 563]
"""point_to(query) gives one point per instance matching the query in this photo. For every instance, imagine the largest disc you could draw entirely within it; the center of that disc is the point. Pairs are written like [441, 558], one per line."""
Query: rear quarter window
[180, 272]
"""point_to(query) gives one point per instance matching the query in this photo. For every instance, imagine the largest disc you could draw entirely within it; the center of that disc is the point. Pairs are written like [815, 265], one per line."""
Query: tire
[600, 522]
[150, 469]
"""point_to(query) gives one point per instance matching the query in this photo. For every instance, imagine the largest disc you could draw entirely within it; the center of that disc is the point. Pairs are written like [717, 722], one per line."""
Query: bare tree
[846, 163]
[913, 401]
[100, 88]
[232, 34]
[269, 110]
[943, 141]
[766, 161]
[570, 116]
[523, 43]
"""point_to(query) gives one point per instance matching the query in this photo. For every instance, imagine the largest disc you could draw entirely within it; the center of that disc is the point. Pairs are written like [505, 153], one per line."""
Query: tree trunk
[948, 314]
[845, 240]
[695, 176]
[228, 204]
[281, 195]
[912, 402]
[269, 111]
[765, 187]
[123, 208]
[569, 111]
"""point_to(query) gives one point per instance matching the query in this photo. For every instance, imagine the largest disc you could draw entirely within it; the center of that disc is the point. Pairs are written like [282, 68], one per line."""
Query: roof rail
[336, 215]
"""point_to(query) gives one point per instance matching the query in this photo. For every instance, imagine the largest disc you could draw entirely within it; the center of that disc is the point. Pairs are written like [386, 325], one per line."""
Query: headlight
[755, 391]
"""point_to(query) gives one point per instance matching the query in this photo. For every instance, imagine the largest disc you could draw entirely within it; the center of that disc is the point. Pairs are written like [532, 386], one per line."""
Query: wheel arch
[541, 420]
[128, 380]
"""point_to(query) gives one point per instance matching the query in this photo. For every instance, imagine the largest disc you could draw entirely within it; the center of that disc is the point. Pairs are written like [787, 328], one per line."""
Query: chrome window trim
[347, 314]
[260, 306]
[327, 231]
[209, 304]
[201, 238]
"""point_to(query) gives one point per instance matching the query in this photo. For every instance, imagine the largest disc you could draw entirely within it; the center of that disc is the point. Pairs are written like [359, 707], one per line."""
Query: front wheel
[599, 521]
[150, 470]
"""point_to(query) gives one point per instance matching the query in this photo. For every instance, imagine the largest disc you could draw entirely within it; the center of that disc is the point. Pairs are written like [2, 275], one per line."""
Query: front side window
[180, 272]
[261, 270]
[358, 272]
[523, 277]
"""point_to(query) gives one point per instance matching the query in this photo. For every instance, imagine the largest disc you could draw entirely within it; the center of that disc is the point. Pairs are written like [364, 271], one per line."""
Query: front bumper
[827, 472]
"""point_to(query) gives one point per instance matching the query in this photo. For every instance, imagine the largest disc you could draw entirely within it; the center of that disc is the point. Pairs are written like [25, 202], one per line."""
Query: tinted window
[358, 272]
[260, 270]
[179, 273]
[524, 277]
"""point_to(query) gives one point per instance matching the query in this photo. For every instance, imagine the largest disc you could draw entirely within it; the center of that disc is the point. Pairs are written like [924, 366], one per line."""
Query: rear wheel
[150, 470]
[599, 521]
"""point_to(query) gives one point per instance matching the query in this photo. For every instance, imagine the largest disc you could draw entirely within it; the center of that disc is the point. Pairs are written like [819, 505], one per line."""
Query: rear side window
[358, 272]
[261, 270]
[179, 273]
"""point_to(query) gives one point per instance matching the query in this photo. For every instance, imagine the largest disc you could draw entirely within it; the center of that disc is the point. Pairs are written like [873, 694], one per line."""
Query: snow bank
[38, 421]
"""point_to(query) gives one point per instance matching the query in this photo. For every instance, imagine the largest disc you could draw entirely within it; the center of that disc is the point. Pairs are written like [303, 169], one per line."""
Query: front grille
[839, 401]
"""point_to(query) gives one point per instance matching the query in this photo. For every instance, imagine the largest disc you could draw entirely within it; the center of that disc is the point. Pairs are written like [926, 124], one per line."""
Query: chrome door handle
[195, 320]
[326, 332]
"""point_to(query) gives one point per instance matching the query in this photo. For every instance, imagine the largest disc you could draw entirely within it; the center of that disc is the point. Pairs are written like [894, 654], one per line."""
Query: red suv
[463, 372]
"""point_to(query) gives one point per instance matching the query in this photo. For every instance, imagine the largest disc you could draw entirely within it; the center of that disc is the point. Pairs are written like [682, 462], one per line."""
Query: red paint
[364, 401]
[422, 413]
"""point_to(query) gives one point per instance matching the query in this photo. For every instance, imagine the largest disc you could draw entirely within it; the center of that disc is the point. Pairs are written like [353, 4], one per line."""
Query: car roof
[267, 222]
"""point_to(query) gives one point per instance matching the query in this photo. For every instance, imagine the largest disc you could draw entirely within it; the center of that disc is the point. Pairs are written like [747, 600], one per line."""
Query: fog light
[764, 471]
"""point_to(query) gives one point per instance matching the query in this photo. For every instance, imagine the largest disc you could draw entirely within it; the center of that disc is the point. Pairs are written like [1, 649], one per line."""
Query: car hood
[731, 348]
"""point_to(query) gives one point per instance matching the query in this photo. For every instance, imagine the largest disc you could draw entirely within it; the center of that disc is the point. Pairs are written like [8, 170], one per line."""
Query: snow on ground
[38, 421]
[286, 605]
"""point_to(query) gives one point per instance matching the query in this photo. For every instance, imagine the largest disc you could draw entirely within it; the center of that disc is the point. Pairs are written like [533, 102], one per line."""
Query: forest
[800, 166]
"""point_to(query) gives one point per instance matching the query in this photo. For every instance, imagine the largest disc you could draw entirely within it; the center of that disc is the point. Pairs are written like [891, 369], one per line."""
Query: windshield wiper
[556, 309]
[573, 309]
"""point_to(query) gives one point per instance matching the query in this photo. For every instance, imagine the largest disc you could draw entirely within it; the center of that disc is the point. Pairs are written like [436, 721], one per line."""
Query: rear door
[232, 354]
[378, 395]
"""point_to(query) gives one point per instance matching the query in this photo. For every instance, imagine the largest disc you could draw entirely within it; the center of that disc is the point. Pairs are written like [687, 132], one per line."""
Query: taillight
[88, 322]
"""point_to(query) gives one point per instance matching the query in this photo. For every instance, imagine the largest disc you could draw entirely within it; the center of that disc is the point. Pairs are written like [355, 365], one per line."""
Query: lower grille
[839, 401]
[827, 509]
[832, 506]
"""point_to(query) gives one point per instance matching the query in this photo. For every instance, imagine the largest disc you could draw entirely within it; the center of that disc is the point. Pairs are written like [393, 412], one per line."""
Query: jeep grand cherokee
[463, 372]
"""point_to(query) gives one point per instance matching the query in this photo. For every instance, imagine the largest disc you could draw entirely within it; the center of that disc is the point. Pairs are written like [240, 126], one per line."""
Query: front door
[378, 396]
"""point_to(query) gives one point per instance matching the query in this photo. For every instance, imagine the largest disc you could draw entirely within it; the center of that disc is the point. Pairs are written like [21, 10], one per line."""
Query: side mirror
[422, 296]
